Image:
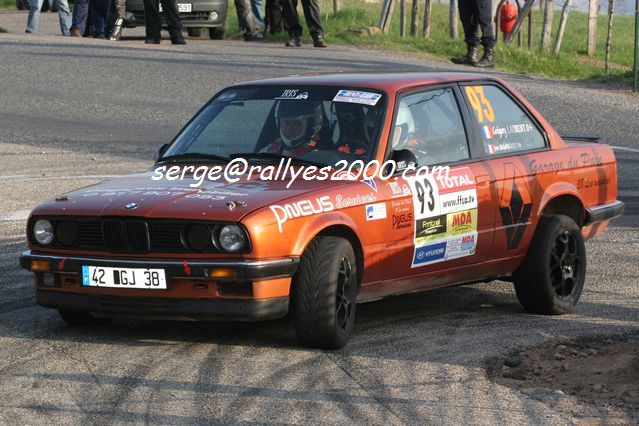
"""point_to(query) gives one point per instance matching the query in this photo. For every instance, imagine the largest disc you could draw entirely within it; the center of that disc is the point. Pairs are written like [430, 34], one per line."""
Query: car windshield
[316, 124]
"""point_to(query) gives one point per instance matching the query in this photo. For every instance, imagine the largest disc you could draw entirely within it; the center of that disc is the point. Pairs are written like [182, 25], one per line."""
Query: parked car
[516, 203]
[196, 16]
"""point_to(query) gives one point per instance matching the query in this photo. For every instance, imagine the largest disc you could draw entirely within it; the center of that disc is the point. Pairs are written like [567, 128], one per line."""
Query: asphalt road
[73, 111]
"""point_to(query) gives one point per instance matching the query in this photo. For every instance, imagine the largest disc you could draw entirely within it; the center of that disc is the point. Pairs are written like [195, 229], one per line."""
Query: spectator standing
[313, 22]
[153, 21]
[247, 21]
[256, 7]
[99, 13]
[476, 14]
[117, 19]
[63, 12]
[80, 17]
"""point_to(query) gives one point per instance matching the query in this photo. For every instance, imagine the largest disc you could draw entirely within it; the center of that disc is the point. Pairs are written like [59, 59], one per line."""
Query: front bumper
[242, 269]
[167, 308]
[229, 289]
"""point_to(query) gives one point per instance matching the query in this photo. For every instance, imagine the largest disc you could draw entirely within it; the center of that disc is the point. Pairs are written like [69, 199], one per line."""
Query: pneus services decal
[445, 212]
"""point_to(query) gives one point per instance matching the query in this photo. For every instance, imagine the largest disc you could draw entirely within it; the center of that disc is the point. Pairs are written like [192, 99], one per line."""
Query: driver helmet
[404, 127]
[298, 120]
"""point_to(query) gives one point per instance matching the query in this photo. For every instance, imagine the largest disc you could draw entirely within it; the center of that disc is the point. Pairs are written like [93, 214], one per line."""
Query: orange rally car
[515, 202]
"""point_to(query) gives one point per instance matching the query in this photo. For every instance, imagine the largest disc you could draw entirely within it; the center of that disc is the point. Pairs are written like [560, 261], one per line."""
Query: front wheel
[552, 275]
[324, 293]
[194, 32]
[217, 33]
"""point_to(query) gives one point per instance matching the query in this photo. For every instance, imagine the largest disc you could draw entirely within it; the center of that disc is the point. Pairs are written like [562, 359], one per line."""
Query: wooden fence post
[562, 26]
[547, 26]
[452, 19]
[427, 12]
[611, 14]
[413, 18]
[402, 18]
[593, 10]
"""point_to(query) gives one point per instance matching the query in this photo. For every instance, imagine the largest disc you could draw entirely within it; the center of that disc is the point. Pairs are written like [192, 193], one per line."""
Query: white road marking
[623, 148]
[14, 216]
[22, 178]
[13, 177]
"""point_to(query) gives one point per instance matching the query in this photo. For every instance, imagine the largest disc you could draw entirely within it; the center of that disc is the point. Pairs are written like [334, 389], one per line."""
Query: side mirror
[160, 151]
[403, 159]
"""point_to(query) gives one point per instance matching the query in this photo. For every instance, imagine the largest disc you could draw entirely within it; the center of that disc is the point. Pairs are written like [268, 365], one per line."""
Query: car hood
[140, 196]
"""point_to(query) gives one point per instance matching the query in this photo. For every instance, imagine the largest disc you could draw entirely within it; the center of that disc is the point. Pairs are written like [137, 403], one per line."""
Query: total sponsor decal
[443, 193]
[445, 214]
[376, 211]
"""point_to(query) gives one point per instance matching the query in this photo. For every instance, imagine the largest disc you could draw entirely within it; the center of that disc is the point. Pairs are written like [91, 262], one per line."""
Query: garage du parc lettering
[445, 214]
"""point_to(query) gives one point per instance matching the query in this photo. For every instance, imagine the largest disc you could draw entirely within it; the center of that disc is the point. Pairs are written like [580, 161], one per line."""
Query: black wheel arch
[567, 205]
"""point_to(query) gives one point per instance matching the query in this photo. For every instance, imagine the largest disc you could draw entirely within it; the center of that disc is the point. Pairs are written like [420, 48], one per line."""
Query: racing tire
[82, 318]
[194, 32]
[324, 293]
[217, 33]
[551, 277]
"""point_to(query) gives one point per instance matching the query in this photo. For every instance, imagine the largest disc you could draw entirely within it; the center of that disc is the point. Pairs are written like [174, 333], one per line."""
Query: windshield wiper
[191, 156]
[274, 156]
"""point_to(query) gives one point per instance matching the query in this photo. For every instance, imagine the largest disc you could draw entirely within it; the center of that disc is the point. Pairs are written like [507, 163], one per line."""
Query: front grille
[135, 235]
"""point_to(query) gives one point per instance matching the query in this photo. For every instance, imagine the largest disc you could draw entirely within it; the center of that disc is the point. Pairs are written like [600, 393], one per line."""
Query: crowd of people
[105, 19]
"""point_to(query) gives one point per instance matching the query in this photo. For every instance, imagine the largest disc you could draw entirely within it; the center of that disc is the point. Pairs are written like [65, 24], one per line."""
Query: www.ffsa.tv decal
[445, 214]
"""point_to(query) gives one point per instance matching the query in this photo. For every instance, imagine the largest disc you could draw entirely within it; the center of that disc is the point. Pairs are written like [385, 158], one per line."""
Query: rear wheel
[551, 278]
[194, 32]
[82, 318]
[217, 33]
[324, 293]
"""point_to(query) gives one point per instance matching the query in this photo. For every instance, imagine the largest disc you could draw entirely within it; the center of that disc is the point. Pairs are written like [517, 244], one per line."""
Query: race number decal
[445, 214]
[480, 104]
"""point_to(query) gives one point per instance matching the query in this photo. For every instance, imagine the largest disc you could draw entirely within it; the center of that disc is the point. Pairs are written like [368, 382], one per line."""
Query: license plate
[182, 7]
[102, 276]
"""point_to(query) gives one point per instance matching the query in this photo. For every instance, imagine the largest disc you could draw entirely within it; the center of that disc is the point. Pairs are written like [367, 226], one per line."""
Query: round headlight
[232, 238]
[213, 16]
[43, 232]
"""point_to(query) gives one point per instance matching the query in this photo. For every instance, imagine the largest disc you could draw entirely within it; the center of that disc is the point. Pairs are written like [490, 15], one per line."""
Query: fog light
[223, 273]
[213, 16]
[39, 265]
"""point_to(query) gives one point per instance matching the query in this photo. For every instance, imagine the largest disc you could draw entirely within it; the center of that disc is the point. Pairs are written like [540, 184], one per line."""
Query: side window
[429, 125]
[503, 125]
